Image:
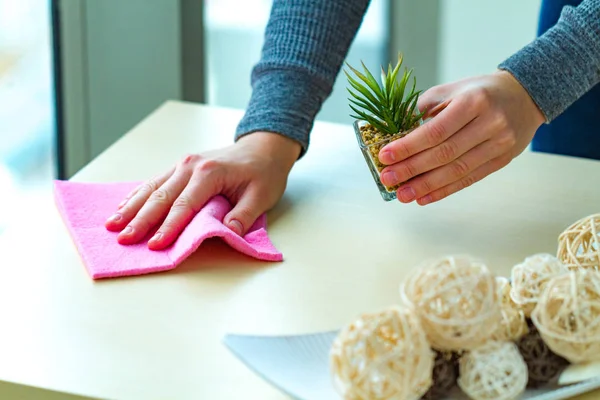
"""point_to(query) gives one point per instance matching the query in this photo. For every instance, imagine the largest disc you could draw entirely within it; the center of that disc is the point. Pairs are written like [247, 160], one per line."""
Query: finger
[129, 196]
[245, 213]
[432, 101]
[135, 201]
[455, 171]
[155, 208]
[473, 134]
[201, 187]
[433, 132]
[477, 175]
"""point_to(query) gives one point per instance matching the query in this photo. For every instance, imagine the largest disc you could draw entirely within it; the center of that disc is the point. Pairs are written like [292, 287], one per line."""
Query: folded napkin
[85, 207]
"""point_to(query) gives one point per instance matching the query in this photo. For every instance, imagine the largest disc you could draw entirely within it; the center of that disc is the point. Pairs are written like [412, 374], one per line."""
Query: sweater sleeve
[562, 64]
[305, 44]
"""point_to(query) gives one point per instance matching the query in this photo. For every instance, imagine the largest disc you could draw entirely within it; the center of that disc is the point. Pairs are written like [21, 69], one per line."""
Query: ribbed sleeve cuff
[284, 102]
[564, 63]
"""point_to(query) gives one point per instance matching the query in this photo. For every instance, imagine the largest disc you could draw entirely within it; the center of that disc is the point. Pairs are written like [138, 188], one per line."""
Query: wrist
[280, 147]
[535, 112]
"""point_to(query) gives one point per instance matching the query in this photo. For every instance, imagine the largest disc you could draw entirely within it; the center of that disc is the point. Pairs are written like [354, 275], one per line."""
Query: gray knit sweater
[306, 42]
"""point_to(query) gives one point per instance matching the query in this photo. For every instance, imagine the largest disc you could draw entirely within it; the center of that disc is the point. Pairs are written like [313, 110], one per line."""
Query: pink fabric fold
[84, 208]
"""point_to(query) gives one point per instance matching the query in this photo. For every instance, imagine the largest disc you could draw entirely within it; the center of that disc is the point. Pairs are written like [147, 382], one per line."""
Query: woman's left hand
[477, 126]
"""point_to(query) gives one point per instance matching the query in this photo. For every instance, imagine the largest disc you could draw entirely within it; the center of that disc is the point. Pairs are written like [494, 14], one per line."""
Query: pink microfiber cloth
[85, 207]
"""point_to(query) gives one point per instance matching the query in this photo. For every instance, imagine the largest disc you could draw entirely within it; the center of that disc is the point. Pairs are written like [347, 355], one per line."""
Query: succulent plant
[387, 106]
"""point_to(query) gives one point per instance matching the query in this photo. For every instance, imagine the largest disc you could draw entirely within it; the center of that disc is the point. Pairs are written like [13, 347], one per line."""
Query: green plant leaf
[369, 81]
[373, 84]
[368, 107]
[365, 92]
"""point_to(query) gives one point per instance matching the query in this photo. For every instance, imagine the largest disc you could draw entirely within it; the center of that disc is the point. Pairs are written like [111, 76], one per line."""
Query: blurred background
[75, 75]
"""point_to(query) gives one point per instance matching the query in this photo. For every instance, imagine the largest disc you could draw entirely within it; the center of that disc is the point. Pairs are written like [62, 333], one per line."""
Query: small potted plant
[383, 112]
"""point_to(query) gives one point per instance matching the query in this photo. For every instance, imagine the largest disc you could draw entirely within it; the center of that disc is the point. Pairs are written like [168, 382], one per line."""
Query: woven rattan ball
[445, 374]
[513, 324]
[568, 315]
[543, 365]
[529, 278]
[382, 355]
[456, 300]
[494, 371]
[579, 244]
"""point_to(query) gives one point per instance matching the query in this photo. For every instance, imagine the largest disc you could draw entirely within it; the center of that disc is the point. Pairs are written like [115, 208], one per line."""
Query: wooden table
[160, 336]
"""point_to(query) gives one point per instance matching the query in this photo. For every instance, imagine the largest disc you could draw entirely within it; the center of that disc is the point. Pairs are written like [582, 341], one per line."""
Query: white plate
[299, 366]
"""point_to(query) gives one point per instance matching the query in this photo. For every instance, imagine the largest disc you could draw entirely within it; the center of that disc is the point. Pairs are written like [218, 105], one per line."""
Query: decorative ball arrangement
[456, 300]
[460, 327]
[513, 324]
[445, 375]
[529, 278]
[579, 244]
[494, 371]
[543, 365]
[383, 355]
[568, 316]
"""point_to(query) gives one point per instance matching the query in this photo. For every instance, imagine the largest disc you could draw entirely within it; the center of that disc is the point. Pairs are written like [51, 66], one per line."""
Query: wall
[234, 38]
[475, 35]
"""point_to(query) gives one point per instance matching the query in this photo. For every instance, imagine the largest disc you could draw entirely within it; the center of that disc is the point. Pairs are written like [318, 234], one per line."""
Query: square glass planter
[370, 152]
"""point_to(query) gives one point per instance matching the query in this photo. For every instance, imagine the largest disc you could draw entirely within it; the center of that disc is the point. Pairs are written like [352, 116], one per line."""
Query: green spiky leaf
[391, 105]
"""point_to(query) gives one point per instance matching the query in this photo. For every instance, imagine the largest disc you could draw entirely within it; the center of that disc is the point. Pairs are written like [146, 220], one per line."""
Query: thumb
[432, 101]
[247, 210]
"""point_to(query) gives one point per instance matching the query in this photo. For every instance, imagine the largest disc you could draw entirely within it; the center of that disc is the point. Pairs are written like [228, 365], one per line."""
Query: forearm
[306, 42]
[564, 63]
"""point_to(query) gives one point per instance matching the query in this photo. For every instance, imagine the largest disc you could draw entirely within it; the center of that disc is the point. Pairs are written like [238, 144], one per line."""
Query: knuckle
[508, 138]
[467, 181]
[150, 186]
[410, 170]
[160, 196]
[425, 186]
[190, 159]
[500, 122]
[442, 193]
[436, 133]
[446, 152]
[460, 168]
[208, 167]
[184, 203]
[482, 98]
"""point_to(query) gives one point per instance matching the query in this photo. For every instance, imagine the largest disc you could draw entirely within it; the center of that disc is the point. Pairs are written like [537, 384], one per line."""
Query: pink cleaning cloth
[85, 207]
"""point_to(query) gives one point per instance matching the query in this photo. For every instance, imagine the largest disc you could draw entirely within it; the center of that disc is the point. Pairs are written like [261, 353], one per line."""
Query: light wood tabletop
[345, 251]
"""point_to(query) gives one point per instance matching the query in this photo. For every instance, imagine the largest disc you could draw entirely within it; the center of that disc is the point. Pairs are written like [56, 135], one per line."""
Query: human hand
[252, 174]
[478, 126]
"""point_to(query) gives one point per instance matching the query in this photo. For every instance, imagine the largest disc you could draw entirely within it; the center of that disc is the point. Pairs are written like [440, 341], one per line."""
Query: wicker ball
[529, 278]
[494, 371]
[513, 324]
[568, 315]
[456, 300]
[543, 365]
[445, 374]
[579, 244]
[382, 355]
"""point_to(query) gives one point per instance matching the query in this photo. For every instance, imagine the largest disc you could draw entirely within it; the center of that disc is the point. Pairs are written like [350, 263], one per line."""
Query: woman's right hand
[252, 173]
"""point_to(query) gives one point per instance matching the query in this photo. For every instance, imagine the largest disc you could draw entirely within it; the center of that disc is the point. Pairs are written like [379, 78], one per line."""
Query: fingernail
[388, 155]
[127, 231]
[425, 200]
[156, 237]
[390, 178]
[235, 226]
[115, 218]
[407, 194]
